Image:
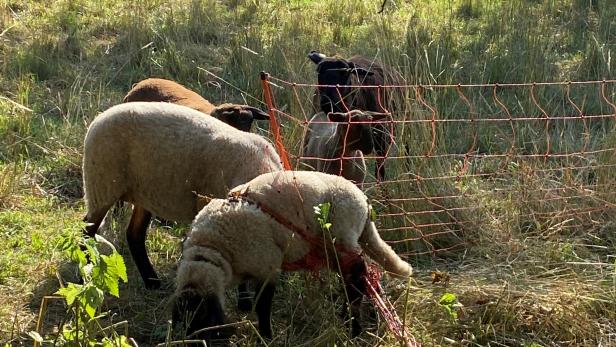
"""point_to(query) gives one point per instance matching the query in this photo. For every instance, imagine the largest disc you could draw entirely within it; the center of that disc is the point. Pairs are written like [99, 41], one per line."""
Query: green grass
[527, 266]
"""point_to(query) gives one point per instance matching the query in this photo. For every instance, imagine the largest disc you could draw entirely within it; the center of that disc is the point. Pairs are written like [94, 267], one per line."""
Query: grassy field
[528, 241]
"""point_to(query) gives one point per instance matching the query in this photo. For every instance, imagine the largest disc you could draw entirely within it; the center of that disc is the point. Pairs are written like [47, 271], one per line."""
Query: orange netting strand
[316, 259]
[479, 85]
[509, 119]
[419, 94]
[269, 99]
[313, 260]
[423, 214]
[607, 101]
[581, 115]
[396, 326]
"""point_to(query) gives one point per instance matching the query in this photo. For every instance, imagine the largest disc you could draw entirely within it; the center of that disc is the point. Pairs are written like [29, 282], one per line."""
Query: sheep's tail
[382, 253]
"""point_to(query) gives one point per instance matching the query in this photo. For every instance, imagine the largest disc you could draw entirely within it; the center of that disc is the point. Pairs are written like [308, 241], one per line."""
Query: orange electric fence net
[472, 160]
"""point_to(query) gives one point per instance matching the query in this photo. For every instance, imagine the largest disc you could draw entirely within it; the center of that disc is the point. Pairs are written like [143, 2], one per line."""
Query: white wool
[157, 155]
[201, 263]
[256, 245]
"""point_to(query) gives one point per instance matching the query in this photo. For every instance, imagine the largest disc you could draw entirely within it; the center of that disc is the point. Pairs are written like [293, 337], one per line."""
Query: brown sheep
[158, 89]
[335, 75]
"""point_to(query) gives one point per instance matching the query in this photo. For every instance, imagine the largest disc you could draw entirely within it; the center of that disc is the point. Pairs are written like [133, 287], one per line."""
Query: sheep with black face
[268, 225]
[339, 90]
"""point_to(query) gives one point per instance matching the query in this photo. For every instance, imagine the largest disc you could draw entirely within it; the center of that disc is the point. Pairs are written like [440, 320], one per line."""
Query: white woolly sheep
[161, 157]
[335, 136]
[266, 225]
[158, 89]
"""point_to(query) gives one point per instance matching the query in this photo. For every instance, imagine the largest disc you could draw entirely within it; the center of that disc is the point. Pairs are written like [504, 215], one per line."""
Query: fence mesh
[485, 159]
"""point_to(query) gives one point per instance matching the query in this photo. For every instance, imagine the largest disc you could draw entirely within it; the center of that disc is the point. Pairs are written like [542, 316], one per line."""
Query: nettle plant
[101, 275]
[449, 302]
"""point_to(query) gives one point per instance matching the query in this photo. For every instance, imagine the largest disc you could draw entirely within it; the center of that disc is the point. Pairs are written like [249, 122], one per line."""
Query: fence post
[269, 100]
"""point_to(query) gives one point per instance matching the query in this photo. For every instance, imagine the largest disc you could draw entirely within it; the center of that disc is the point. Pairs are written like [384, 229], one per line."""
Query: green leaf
[118, 341]
[321, 212]
[448, 299]
[105, 281]
[78, 256]
[373, 215]
[70, 292]
[452, 313]
[93, 297]
[112, 287]
[325, 210]
[71, 337]
[92, 250]
[70, 247]
[116, 266]
[107, 274]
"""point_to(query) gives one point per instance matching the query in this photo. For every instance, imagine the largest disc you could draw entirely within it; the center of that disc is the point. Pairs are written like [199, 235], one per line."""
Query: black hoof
[244, 304]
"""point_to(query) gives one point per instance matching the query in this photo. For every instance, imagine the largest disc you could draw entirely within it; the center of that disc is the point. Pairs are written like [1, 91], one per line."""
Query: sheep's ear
[223, 109]
[338, 117]
[316, 57]
[257, 113]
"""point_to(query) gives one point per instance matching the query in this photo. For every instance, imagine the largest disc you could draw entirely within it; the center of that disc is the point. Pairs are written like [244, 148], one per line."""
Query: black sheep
[337, 78]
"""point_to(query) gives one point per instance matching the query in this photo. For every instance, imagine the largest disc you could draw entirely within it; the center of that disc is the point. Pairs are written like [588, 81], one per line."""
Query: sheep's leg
[353, 277]
[244, 301]
[263, 307]
[135, 235]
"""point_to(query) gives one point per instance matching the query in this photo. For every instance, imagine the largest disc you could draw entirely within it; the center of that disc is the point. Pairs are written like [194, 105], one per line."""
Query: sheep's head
[193, 311]
[332, 71]
[199, 298]
[356, 132]
[239, 116]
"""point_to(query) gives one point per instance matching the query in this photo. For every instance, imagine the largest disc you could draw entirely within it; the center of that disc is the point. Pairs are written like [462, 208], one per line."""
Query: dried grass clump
[503, 306]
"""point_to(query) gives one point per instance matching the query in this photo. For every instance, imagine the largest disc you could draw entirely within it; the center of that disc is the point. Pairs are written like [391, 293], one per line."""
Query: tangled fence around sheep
[535, 158]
